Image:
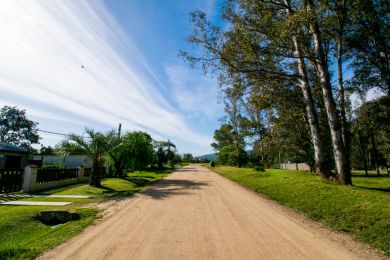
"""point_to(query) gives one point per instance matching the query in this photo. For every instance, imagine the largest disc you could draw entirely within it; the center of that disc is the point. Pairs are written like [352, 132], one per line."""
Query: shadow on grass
[15, 196]
[109, 192]
[60, 189]
[373, 188]
[172, 187]
[140, 181]
[11, 251]
[370, 176]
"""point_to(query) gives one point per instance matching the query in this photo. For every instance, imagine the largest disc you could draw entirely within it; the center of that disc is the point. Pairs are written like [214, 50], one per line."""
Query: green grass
[24, 237]
[131, 183]
[362, 210]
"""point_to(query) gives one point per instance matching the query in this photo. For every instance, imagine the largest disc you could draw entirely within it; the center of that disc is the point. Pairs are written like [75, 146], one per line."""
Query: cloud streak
[74, 57]
[194, 93]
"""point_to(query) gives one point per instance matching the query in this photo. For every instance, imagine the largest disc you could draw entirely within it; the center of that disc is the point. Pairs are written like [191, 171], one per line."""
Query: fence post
[30, 178]
[81, 172]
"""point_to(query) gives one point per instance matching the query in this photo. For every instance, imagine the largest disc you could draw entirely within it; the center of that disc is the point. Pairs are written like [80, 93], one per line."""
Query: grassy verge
[24, 237]
[362, 210]
[128, 185]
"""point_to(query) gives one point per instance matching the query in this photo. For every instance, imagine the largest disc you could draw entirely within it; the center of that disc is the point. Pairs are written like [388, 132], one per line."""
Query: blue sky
[74, 64]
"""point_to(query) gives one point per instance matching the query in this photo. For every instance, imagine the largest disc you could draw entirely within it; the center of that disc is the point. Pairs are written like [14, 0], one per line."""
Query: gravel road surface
[197, 214]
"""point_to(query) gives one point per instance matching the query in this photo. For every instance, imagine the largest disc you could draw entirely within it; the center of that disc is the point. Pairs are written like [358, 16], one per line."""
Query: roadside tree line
[133, 151]
[281, 67]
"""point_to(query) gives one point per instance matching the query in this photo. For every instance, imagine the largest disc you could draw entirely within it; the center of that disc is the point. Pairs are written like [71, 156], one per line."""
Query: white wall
[70, 161]
[295, 166]
[30, 180]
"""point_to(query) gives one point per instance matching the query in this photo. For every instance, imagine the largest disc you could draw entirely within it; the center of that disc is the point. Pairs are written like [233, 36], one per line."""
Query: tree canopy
[274, 61]
[16, 128]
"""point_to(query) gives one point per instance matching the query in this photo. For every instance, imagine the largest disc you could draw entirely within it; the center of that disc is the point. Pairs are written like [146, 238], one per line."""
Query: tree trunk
[319, 156]
[118, 168]
[94, 179]
[362, 149]
[341, 100]
[344, 174]
[374, 153]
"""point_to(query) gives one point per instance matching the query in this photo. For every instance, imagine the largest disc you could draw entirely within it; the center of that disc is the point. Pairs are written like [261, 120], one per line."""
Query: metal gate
[11, 180]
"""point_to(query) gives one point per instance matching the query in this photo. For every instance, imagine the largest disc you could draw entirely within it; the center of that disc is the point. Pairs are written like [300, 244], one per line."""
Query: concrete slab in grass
[34, 203]
[71, 196]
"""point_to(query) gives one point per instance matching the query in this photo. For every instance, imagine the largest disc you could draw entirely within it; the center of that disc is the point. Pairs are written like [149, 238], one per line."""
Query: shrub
[259, 168]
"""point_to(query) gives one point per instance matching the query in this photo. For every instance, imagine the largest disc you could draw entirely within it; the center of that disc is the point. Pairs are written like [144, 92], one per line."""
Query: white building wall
[70, 161]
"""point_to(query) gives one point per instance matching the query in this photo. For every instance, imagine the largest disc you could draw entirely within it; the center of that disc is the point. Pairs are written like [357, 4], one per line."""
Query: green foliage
[368, 41]
[228, 156]
[223, 137]
[259, 168]
[360, 210]
[267, 50]
[46, 150]
[16, 128]
[187, 158]
[138, 149]
[164, 153]
[95, 145]
[371, 134]
[116, 154]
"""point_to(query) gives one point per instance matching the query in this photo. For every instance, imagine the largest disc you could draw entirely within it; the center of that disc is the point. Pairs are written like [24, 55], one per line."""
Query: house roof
[12, 148]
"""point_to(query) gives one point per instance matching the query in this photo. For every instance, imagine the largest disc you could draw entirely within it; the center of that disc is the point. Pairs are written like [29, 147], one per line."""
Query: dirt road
[197, 214]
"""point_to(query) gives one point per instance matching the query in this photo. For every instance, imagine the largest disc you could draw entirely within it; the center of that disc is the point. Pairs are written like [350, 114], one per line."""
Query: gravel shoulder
[196, 214]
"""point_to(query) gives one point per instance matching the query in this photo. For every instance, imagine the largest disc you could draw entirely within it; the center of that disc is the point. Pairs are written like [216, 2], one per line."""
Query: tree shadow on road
[187, 169]
[171, 187]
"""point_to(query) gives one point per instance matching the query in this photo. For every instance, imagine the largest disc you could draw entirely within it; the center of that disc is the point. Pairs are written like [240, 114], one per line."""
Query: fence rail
[11, 180]
[45, 175]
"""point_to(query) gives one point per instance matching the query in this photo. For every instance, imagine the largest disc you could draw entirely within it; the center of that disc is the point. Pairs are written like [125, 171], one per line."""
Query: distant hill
[210, 157]
[213, 156]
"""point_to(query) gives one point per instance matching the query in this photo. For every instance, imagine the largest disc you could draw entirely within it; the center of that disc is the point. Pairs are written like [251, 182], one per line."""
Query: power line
[56, 133]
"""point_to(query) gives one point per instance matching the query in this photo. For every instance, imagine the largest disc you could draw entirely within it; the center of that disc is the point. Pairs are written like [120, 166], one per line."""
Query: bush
[212, 164]
[259, 168]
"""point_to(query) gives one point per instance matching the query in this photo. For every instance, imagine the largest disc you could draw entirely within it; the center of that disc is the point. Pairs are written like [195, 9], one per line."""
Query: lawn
[131, 183]
[362, 210]
[24, 237]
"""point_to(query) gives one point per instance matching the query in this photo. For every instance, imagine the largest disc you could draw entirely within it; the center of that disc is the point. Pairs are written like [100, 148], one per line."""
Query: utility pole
[119, 130]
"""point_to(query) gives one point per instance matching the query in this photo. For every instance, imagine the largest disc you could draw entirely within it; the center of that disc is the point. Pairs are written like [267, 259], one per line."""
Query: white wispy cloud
[73, 56]
[194, 93]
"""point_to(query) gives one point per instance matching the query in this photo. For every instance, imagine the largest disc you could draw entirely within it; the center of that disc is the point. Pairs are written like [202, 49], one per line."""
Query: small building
[12, 156]
[69, 161]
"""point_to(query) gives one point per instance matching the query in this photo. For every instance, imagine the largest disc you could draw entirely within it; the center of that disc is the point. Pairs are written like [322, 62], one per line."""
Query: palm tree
[95, 145]
[164, 153]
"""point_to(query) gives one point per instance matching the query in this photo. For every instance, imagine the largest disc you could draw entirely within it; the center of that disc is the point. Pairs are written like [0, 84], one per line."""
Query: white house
[70, 161]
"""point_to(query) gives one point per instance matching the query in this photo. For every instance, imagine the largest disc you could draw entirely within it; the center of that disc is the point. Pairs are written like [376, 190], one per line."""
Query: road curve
[197, 214]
